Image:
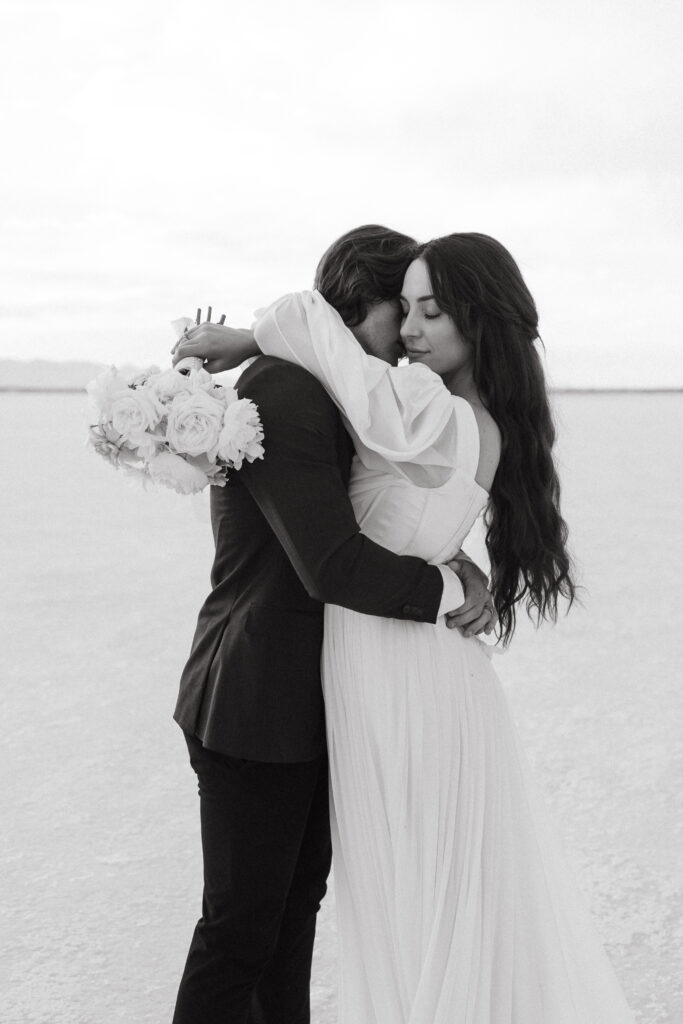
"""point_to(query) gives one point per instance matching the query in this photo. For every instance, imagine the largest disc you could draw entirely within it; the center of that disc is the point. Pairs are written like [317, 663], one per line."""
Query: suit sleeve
[300, 490]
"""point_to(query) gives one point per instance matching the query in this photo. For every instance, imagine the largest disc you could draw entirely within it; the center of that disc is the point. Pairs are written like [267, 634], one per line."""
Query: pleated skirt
[455, 904]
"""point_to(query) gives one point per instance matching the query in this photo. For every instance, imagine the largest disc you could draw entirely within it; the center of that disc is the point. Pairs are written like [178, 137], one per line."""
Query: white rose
[105, 441]
[213, 470]
[110, 445]
[135, 413]
[225, 395]
[102, 391]
[169, 384]
[142, 376]
[241, 435]
[202, 380]
[194, 423]
[177, 473]
[129, 460]
[148, 445]
[134, 469]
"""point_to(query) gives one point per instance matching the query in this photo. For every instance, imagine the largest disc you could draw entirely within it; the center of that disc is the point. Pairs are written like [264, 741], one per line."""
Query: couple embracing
[337, 698]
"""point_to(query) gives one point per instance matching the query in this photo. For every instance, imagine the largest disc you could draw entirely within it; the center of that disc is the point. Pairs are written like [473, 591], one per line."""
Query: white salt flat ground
[99, 859]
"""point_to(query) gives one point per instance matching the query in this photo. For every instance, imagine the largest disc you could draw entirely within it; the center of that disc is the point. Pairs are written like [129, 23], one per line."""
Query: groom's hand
[477, 614]
[219, 346]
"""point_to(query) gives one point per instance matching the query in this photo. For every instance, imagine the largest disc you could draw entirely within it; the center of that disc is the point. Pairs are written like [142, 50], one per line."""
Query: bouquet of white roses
[183, 431]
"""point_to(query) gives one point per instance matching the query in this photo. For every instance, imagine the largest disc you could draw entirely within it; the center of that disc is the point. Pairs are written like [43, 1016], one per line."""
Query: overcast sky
[159, 156]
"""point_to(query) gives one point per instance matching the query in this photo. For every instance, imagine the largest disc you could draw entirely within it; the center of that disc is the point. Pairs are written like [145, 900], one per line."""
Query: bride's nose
[409, 328]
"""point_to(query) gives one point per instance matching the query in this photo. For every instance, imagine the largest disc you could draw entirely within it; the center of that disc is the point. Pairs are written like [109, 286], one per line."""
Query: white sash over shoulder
[402, 414]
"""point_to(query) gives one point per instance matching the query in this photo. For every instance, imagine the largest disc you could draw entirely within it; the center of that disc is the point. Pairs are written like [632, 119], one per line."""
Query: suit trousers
[267, 853]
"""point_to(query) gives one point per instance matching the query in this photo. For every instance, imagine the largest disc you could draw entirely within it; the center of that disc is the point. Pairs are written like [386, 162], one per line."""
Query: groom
[250, 700]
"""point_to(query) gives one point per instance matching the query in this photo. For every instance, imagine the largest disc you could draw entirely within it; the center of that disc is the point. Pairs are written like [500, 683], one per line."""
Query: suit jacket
[287, 541]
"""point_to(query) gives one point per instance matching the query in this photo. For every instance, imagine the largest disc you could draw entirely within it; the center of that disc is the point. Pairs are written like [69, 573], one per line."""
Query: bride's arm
[404, 414]
[281, 330]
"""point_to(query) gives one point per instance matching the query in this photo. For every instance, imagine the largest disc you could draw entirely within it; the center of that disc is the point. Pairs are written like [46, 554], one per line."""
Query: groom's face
[379, 334]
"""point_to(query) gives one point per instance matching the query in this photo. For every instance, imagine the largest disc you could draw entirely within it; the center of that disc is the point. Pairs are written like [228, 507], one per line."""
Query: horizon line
[570, 389]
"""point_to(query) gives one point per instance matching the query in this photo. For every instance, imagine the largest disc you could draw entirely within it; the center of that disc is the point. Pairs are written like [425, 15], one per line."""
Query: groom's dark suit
[251, 702]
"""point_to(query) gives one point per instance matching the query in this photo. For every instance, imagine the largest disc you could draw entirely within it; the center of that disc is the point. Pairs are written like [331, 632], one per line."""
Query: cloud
[172, 155]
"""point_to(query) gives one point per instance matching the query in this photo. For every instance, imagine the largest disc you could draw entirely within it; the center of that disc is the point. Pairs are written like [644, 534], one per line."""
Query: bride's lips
[413, 352]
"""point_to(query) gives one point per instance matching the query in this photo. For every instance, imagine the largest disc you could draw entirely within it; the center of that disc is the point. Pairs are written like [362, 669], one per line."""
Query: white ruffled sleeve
[404, 414]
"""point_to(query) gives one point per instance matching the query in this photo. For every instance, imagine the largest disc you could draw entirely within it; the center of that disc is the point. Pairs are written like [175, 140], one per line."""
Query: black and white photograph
[341, 407]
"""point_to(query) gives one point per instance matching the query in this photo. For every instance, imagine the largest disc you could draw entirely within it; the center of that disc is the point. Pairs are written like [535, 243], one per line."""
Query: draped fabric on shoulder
[401, 415]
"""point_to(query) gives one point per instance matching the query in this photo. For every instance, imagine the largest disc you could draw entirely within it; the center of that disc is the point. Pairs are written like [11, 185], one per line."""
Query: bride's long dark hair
[476, 281]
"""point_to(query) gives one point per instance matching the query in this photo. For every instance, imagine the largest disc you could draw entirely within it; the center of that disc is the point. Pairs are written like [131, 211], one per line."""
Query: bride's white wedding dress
[454, 902]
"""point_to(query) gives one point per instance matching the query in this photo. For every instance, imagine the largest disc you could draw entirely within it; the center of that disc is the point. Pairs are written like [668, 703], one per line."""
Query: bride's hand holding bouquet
[216, 347]
[174, 427]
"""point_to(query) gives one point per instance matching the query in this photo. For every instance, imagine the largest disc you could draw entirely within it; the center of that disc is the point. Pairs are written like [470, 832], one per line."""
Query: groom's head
[361, 276]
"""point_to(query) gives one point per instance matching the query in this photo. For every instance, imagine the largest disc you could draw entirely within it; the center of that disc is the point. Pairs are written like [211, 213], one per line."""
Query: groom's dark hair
[364, 266]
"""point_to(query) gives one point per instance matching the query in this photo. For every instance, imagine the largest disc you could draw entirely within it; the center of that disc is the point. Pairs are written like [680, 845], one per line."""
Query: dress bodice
[429, 522]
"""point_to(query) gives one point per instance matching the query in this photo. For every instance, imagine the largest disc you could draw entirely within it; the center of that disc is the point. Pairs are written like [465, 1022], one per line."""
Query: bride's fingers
[222, 319]
[181, 339]
[208, 315]
[193, 336]
[473, 606]
[466, 613]
[187, 344]
[198, 318]
[478, 625]
[464, 617]
[180, 343]
[184, 349]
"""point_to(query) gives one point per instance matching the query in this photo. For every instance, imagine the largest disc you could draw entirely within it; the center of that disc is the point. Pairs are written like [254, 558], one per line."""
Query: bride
[454, 901]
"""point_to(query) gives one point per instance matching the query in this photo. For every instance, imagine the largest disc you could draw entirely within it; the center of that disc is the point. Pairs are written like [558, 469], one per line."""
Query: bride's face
[429, 335]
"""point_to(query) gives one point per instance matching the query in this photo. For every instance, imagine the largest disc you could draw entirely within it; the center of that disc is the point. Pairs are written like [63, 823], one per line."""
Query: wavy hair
[364, 266]
[477, 282]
